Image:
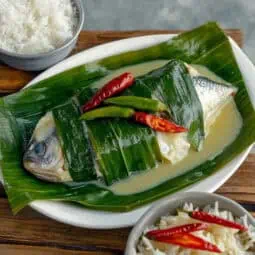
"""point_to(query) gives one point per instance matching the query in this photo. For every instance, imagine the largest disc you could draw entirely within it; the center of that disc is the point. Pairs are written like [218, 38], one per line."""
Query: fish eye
[40, 149]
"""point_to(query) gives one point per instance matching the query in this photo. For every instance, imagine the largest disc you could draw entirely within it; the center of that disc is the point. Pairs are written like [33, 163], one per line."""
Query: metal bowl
[38, 62]
[166, 206]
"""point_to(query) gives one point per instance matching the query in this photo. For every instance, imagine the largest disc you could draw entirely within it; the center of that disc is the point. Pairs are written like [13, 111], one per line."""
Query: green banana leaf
[76, 144]
[116, 159]
[122, 146]
[172, 85]
[206, 45]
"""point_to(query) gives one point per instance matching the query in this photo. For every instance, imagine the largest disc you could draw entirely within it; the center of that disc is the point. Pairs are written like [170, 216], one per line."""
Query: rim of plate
[63, 211]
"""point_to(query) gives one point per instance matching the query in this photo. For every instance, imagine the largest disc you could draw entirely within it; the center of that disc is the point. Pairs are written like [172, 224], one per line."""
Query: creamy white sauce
[223, 132]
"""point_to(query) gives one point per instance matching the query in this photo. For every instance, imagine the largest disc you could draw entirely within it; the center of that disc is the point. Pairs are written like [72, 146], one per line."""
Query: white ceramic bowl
[76, 215]
[199, 199]
[38, 62]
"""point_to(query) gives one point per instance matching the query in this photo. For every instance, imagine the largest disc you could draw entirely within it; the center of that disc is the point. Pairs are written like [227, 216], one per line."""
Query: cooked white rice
[36, 26]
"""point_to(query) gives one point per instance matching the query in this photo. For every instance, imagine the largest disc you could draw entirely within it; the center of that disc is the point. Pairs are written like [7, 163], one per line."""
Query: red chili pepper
[187, 228]
[112, 88]
[158, 123]
[206, 217]
[189, 241]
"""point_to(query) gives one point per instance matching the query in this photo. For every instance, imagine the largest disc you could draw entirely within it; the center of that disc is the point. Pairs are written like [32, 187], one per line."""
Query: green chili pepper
[108, 112]
[140, 103]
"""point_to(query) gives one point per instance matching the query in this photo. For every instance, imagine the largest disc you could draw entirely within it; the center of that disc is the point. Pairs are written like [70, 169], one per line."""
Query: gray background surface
[172, 14]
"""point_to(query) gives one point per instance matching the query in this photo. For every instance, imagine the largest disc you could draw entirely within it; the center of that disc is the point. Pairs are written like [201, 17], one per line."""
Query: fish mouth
[30, 163]
[33, 166]
[29, 156]
[49, 173]
[30, 159]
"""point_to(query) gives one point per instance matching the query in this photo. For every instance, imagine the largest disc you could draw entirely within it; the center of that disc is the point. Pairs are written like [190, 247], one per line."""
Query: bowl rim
[81, 14]
[152, 211]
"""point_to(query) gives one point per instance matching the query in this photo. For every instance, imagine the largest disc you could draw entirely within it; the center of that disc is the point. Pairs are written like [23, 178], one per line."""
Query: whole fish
[44, 157]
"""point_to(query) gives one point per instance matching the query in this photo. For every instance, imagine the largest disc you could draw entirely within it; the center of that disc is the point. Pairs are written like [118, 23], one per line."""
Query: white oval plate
[77, 215]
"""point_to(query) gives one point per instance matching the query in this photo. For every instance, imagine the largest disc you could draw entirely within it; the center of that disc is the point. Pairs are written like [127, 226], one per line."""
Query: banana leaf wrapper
[122, 147]
[19, 113]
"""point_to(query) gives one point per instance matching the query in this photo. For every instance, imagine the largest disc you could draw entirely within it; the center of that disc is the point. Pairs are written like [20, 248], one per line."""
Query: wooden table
[30, 233]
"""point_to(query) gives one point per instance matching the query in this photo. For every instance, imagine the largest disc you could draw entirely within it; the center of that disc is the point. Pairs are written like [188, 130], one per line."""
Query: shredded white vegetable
[36, 26]
[229, 241]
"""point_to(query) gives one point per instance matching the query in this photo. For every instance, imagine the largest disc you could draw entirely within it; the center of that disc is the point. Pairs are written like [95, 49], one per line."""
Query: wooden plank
[34, 250]
[30, 228]
[12, 80]
[241, 186]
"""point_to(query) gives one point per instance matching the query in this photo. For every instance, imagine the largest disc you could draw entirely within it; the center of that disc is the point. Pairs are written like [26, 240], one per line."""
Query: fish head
[44, 154]
[44, 157]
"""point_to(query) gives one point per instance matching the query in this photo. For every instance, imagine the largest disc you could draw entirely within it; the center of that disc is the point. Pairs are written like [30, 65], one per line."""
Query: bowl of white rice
[37, 34]
[175, 214]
